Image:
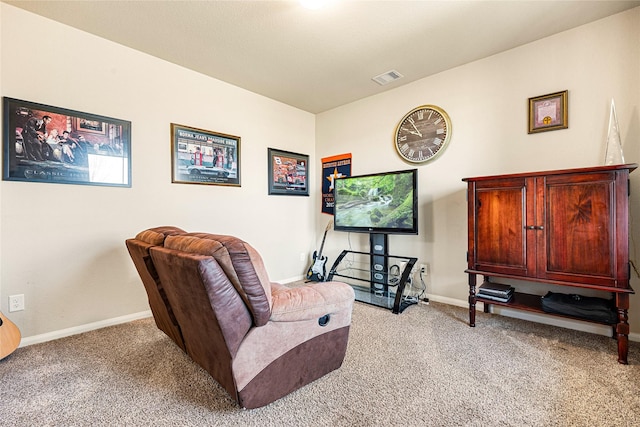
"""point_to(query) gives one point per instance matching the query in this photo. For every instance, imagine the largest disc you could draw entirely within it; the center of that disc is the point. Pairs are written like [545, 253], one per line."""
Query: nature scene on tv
[377, 201]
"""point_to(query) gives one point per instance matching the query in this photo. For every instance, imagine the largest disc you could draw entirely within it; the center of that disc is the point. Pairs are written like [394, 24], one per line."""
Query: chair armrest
[310, 301]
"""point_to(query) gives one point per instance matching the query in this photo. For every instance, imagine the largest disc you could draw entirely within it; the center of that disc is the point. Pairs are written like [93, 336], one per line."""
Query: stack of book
[495, 292]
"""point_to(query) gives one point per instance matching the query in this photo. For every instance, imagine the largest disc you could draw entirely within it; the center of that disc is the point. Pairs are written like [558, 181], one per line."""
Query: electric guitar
[9, 337]
[318, 270]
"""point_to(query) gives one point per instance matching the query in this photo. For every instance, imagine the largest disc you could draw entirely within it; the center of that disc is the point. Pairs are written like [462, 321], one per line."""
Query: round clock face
[423, 133]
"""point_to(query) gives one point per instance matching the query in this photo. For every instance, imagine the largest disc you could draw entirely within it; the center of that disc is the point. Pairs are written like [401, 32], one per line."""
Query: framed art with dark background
[49, 144]
[288, 173]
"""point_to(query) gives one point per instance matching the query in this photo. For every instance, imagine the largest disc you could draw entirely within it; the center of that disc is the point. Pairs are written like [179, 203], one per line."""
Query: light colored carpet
[423, 367]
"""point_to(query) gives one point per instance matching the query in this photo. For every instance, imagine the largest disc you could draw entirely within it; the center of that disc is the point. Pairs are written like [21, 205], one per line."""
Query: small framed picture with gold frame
[548, 112]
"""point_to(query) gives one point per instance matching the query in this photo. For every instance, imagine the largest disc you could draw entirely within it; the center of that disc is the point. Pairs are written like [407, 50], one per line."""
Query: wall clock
[423, 134]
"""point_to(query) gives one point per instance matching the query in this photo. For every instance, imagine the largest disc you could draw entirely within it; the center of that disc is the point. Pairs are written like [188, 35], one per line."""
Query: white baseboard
[54, 335]
[49, 336]
[291, 279]
[449, 301]
[577, 325]
[517, 314]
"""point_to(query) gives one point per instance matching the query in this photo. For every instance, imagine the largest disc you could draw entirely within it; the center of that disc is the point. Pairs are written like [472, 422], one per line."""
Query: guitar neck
[324, 238]
[322, 245]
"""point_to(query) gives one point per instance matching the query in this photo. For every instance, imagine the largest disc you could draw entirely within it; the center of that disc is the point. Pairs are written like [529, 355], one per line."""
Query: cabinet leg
[472, 299]
[622, 327]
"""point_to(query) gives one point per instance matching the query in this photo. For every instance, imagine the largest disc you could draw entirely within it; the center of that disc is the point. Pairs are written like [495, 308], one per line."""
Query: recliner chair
[260, 340]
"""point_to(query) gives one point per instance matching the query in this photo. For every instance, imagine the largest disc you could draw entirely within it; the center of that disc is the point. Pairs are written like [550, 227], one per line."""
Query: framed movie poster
[49, 144]
[203, 157]
[288, 173]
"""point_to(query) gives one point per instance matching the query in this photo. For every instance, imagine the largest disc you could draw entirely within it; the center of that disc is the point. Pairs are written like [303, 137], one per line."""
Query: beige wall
[62, 246]
[487, 103]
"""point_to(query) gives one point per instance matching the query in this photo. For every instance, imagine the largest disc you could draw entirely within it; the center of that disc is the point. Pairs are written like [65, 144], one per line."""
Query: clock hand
[414, 126]
[412, 132]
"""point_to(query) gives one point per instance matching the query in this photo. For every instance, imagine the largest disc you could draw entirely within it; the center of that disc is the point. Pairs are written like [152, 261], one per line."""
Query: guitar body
[318, 270]
[9, 337]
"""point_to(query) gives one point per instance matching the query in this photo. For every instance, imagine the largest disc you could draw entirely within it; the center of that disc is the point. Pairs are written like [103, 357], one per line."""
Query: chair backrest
[139, 250]
[212, 314]
[240, 262]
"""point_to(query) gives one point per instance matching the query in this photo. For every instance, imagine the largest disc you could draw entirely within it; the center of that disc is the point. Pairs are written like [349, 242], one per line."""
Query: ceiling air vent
[387, 77]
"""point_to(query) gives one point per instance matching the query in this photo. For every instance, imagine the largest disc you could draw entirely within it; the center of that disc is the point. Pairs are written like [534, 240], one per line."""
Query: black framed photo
[288, 173]
[200, 156]
[49, 144]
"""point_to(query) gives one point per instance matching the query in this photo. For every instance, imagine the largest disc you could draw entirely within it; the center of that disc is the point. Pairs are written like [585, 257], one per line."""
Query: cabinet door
[581, 221]
[497, 235]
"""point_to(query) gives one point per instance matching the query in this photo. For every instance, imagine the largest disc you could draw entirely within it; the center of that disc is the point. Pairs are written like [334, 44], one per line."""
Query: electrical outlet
[16, 303]
[424, 269]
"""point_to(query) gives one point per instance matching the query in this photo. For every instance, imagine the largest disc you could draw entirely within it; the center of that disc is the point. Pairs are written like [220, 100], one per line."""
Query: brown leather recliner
[260, 340]
[158, 302]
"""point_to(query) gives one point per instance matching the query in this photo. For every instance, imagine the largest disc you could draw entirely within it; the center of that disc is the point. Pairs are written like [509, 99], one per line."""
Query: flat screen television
[383, 203]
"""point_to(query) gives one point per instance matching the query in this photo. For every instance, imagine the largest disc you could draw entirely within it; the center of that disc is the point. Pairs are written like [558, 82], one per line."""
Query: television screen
[377, 203]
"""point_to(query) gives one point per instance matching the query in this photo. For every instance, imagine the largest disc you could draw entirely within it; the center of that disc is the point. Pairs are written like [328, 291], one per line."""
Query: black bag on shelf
[588, 308]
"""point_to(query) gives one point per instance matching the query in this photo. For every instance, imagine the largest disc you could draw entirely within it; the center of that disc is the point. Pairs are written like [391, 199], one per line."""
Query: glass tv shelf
[377, 279]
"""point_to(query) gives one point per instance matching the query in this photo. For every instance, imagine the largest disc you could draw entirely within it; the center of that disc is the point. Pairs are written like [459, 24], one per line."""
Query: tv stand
[373, 268]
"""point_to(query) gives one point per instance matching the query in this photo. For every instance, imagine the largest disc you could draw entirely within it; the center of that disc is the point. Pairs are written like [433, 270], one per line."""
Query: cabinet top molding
[630, 167]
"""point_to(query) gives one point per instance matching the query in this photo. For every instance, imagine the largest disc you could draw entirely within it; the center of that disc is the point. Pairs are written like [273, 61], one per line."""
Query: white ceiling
[320, 59]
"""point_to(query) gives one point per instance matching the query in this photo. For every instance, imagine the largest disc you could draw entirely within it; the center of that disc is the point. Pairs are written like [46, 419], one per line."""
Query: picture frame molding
[542, 108]
[200, 156]
[99, 157]
[284, 176]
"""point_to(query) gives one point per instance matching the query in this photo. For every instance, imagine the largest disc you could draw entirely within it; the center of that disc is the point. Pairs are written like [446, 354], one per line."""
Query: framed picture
[93, 126]
[548, 112]
[203, 157]
[49, 144]
[288, 173]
